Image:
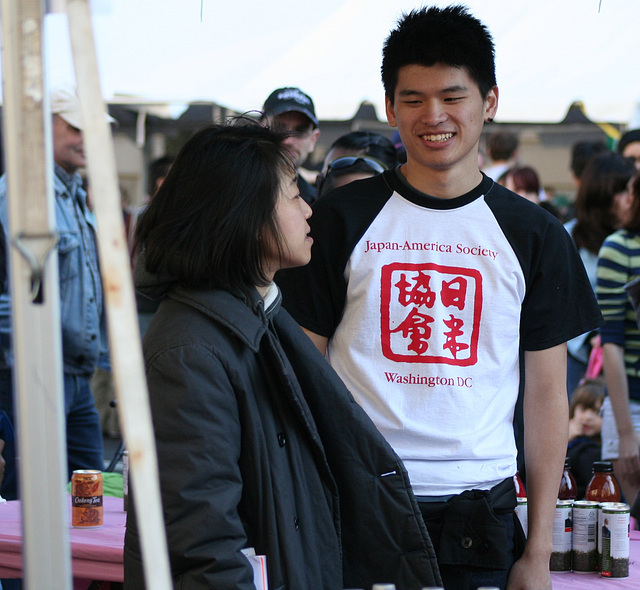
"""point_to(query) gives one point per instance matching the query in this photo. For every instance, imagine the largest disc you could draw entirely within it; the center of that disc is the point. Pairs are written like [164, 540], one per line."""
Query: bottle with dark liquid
[603, 486]
[568, 486]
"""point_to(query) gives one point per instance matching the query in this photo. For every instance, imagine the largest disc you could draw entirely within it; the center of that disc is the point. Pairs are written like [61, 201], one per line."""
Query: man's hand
[629, 458]
[530, 573]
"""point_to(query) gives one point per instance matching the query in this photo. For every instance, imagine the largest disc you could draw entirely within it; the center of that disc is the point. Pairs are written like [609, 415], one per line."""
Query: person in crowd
[84, 337]
[585, 428]
[619, 264]
[156, 173]
[502, 148]
[524, 181]
[257, 438]
[362, 143]
[602, 205]
[348, 169]
[629, 146]
[425, 283]
[293, 111]
[354, 156]
[581, 153]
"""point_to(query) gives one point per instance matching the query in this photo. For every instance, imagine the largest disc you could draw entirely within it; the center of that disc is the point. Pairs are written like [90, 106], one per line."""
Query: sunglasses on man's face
[348, 161]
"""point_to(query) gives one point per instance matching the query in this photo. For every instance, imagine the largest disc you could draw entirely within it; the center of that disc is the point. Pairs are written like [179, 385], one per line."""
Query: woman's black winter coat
[261, 445]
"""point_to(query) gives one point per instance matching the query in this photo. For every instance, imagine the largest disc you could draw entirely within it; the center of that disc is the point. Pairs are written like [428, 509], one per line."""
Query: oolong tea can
[584, 553]
[86, 499]
[562, 533]
[615, 541]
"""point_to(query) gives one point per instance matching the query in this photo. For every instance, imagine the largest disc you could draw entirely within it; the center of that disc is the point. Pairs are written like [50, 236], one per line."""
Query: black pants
[476, 535]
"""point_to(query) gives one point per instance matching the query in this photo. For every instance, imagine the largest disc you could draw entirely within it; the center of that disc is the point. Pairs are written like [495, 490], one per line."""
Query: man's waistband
[500, 497]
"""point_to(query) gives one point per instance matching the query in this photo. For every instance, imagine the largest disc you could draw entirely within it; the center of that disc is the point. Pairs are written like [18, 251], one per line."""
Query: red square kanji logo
[430, 313]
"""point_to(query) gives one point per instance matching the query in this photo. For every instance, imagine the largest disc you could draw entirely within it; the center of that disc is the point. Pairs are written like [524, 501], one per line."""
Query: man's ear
[491, 104]
[314, 137]
[391, 113]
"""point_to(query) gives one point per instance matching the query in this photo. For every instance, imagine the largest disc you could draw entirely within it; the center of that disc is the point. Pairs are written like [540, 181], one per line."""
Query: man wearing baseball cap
[292, 110]
[84, 338]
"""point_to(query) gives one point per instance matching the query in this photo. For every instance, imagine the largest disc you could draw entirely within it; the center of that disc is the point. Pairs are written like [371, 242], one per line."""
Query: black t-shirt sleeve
[315, 294]
[559, 303]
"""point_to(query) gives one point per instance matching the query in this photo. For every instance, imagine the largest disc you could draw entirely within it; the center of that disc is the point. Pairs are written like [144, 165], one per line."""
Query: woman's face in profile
[621, 206]
[292, 213]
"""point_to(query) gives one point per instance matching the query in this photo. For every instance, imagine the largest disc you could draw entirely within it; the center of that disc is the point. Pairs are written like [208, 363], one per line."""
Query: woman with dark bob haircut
[260, 445]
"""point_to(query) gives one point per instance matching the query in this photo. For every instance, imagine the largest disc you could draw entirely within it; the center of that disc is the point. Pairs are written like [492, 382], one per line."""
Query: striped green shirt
[618, 264]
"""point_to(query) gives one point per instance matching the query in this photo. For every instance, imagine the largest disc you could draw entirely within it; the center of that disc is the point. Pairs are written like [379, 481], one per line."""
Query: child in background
[585, 427]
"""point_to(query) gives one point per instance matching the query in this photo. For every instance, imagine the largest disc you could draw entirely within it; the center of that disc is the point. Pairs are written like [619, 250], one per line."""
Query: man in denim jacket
[84, 339]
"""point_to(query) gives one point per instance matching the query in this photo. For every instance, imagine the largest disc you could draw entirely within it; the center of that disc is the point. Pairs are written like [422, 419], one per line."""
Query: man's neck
[444, 184]
[70, 179]
[65, 171]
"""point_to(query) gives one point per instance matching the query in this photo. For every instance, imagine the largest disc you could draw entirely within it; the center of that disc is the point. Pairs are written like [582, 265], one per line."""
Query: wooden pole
[37, 370]
[124, 337]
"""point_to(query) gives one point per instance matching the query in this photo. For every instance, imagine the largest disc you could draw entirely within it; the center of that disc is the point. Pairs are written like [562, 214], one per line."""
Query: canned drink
[86, 499]
[615, 541]
[521, 511]
[584, 553]
[562, 532]
[601, 507]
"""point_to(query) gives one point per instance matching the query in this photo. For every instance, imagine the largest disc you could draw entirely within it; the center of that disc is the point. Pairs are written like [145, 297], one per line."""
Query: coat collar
[243, 314]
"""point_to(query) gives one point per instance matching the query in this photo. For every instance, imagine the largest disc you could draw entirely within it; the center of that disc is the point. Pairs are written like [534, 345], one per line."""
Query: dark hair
[158, 168]
[630, 136]
[449, 36]
[582, 152]
[327, 182]
[367, 143]
[634, 215]
[502, 145]
[605, 176]
[204, 227]
[524, 178]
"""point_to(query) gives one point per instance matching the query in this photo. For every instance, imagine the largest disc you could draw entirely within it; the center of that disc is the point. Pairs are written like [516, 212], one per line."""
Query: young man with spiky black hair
[427, 286]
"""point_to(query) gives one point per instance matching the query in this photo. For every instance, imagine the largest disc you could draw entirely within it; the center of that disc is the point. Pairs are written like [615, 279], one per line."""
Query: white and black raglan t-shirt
[426, 302]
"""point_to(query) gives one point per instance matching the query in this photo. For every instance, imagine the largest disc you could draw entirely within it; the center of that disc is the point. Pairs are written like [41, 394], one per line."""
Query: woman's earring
[490, 120]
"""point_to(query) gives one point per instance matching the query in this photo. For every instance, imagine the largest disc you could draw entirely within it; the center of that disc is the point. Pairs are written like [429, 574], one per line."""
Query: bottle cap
[602, 466]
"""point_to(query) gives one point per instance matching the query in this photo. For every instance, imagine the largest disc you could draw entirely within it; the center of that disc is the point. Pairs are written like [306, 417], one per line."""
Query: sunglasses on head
[348, 161]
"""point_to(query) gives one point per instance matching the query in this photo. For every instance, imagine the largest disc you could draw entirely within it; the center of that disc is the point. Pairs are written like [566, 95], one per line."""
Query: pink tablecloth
[96, 553]
[571, 581]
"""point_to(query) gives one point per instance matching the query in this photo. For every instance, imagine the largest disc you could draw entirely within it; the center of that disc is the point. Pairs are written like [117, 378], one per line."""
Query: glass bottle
[520, 491]
[568, 486]
[603, 486]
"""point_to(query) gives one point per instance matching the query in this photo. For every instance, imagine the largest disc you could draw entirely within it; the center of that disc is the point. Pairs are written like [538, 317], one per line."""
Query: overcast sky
[549, 52]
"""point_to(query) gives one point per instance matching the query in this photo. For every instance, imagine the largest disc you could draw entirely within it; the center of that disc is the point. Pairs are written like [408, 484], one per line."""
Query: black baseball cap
[285, 100]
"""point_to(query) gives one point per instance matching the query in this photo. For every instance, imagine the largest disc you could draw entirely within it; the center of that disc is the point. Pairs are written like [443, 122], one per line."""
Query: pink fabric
[571, 581]
[96, 554]
[594, 367]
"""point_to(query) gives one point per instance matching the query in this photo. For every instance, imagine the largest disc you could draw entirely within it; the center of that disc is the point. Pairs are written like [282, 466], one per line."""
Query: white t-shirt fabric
[426, 303]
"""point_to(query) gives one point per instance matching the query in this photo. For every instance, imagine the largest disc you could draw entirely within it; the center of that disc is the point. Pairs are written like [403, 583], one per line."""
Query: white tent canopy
[550, 53]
